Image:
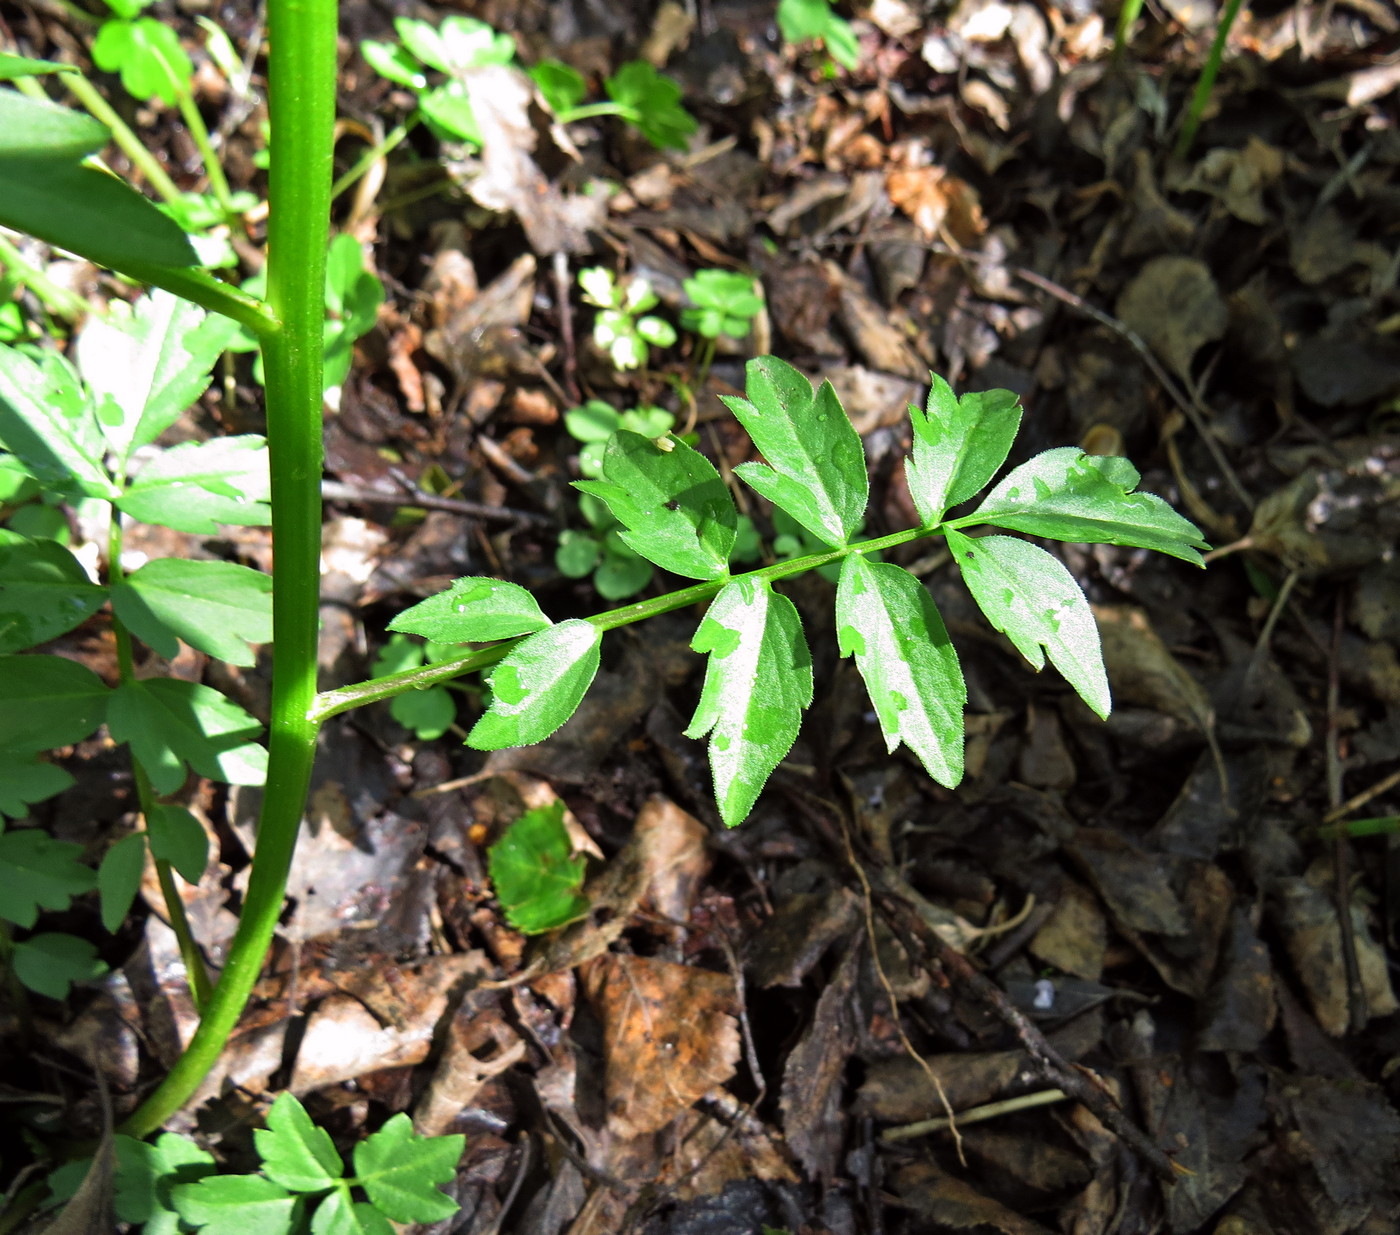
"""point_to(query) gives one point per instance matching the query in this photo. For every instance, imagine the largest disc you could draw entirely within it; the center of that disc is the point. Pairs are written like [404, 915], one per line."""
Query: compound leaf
[39, 873]
[195, 486]
[400, 1171]
[23, 781]
[886, 617]
[147, 1172]
[47, 701]
[653, 103]
[816, 464]
[538, 686]
[473, 610]
[170, 723]
[119, 879]
[176, 837]
[43, 593]
[294, 1151]
[1087, 499]
[52, 961]
[535, 873]
[1036, 603]
[757, 682]
[671, 501]
[237, 1205]
[147, 365]
[958, 445]
[217, 607]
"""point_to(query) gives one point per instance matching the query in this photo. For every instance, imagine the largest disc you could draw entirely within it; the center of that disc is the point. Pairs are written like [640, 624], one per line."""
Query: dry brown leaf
[669, 1037]
[949, 1202]
[675, 856]
[1174, 304]
[937, 201]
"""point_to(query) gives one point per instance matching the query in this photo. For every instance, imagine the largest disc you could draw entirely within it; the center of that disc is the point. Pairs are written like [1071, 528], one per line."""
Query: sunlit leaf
[539, 686]
[958, 446]
[400, 1171]
[294, 1151]
[474, 610]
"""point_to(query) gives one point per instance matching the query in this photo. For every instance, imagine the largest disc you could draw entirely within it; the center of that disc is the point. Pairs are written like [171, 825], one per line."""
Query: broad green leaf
[400, 1170]
[26, 780]
[1087, 499]
[621, 573]
[218, 607]
[35, 129]
[148, 364]
[816, 464]
[38, 872]
[170, 723]
[561, 85]
[429, 712]
[16, 483]
[195, 486]
[176, 837]
[653, 103]
[294, 1151]
[1036, 603]
[671, 501]
[758, 680]
[43, 593]
[119, 879]
[958, 446]
[12, 67]
[886, 618]
[46, 421]
[91, 213]
[460, 43]
[538, 686]
[147, 54]
[473, 610]
[49, 963]
[535, 873]
[237, 1205]
[47, 701]
[339, 1215]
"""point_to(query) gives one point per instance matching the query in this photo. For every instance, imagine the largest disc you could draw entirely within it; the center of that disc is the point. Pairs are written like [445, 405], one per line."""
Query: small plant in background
[623, 328]
[722, 302]
[814, 20]
[637, 93]
[431, 712]
[535, 873]
[174, 1185]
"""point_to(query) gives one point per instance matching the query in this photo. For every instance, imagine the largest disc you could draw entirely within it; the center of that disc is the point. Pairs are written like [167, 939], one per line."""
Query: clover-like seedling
[429, 712]
[801, 21]
[457, 46]
[144, 51]
[722, 302]
[536, 874]
[623, 328]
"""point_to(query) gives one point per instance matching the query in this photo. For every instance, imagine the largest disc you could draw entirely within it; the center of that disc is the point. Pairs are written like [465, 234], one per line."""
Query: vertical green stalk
[1206, 82]
[301, 103]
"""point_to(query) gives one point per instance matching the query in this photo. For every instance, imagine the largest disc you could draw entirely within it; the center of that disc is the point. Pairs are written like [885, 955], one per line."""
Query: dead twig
[335, 491]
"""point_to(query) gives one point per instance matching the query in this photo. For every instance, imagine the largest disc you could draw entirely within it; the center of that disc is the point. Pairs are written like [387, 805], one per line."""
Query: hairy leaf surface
[1087, 499]
[816, 464]
[473, 610]
[958, 445]
[538, 686]
[757, 682]
[1030, 596]
[217, 607]
[886, 618]
[672, 503]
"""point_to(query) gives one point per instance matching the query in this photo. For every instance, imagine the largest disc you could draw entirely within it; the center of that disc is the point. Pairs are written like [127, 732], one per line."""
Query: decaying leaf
[1174, 304]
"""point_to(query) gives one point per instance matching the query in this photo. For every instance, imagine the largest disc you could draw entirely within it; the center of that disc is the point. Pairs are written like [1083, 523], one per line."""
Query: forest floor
[1139, 935]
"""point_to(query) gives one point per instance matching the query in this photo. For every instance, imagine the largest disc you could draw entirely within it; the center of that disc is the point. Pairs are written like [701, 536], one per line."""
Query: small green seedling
[623, 328]
[536, 875]
[430, 712]
[802, 21]
[722, 302]
[174, 1185]
[637, 93]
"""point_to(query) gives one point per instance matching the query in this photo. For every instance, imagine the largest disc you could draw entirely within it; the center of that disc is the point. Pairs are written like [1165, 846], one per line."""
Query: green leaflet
[195, 486]
[886, 618]
[217, 607]
[400, 1171]
[294, 1151]
[170, 723]
[24, 781]
[39, 873]
[337, 1214]
[176, 836]
[958, 446]
[535, 873]
[119, 879]
[43, 593]
[652, 101]
[1035, 601]
[816, 464]
[538, 686]
[146, 365]
[47, 701]
[1087, 499]
[237, 1205]
[672, 502]
[473, 610]
[757, 682]
[52, 961]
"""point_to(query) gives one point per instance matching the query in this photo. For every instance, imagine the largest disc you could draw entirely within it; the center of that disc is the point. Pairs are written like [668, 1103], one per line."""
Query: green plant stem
[130, 145]
[332, 702]
[194, 122]
[195, 972]
[58, 300]
[209, 293]
[1206, 82]
[1127, 15]
[374, 154]
[589, 110]
[702, 369]
[301, 104]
